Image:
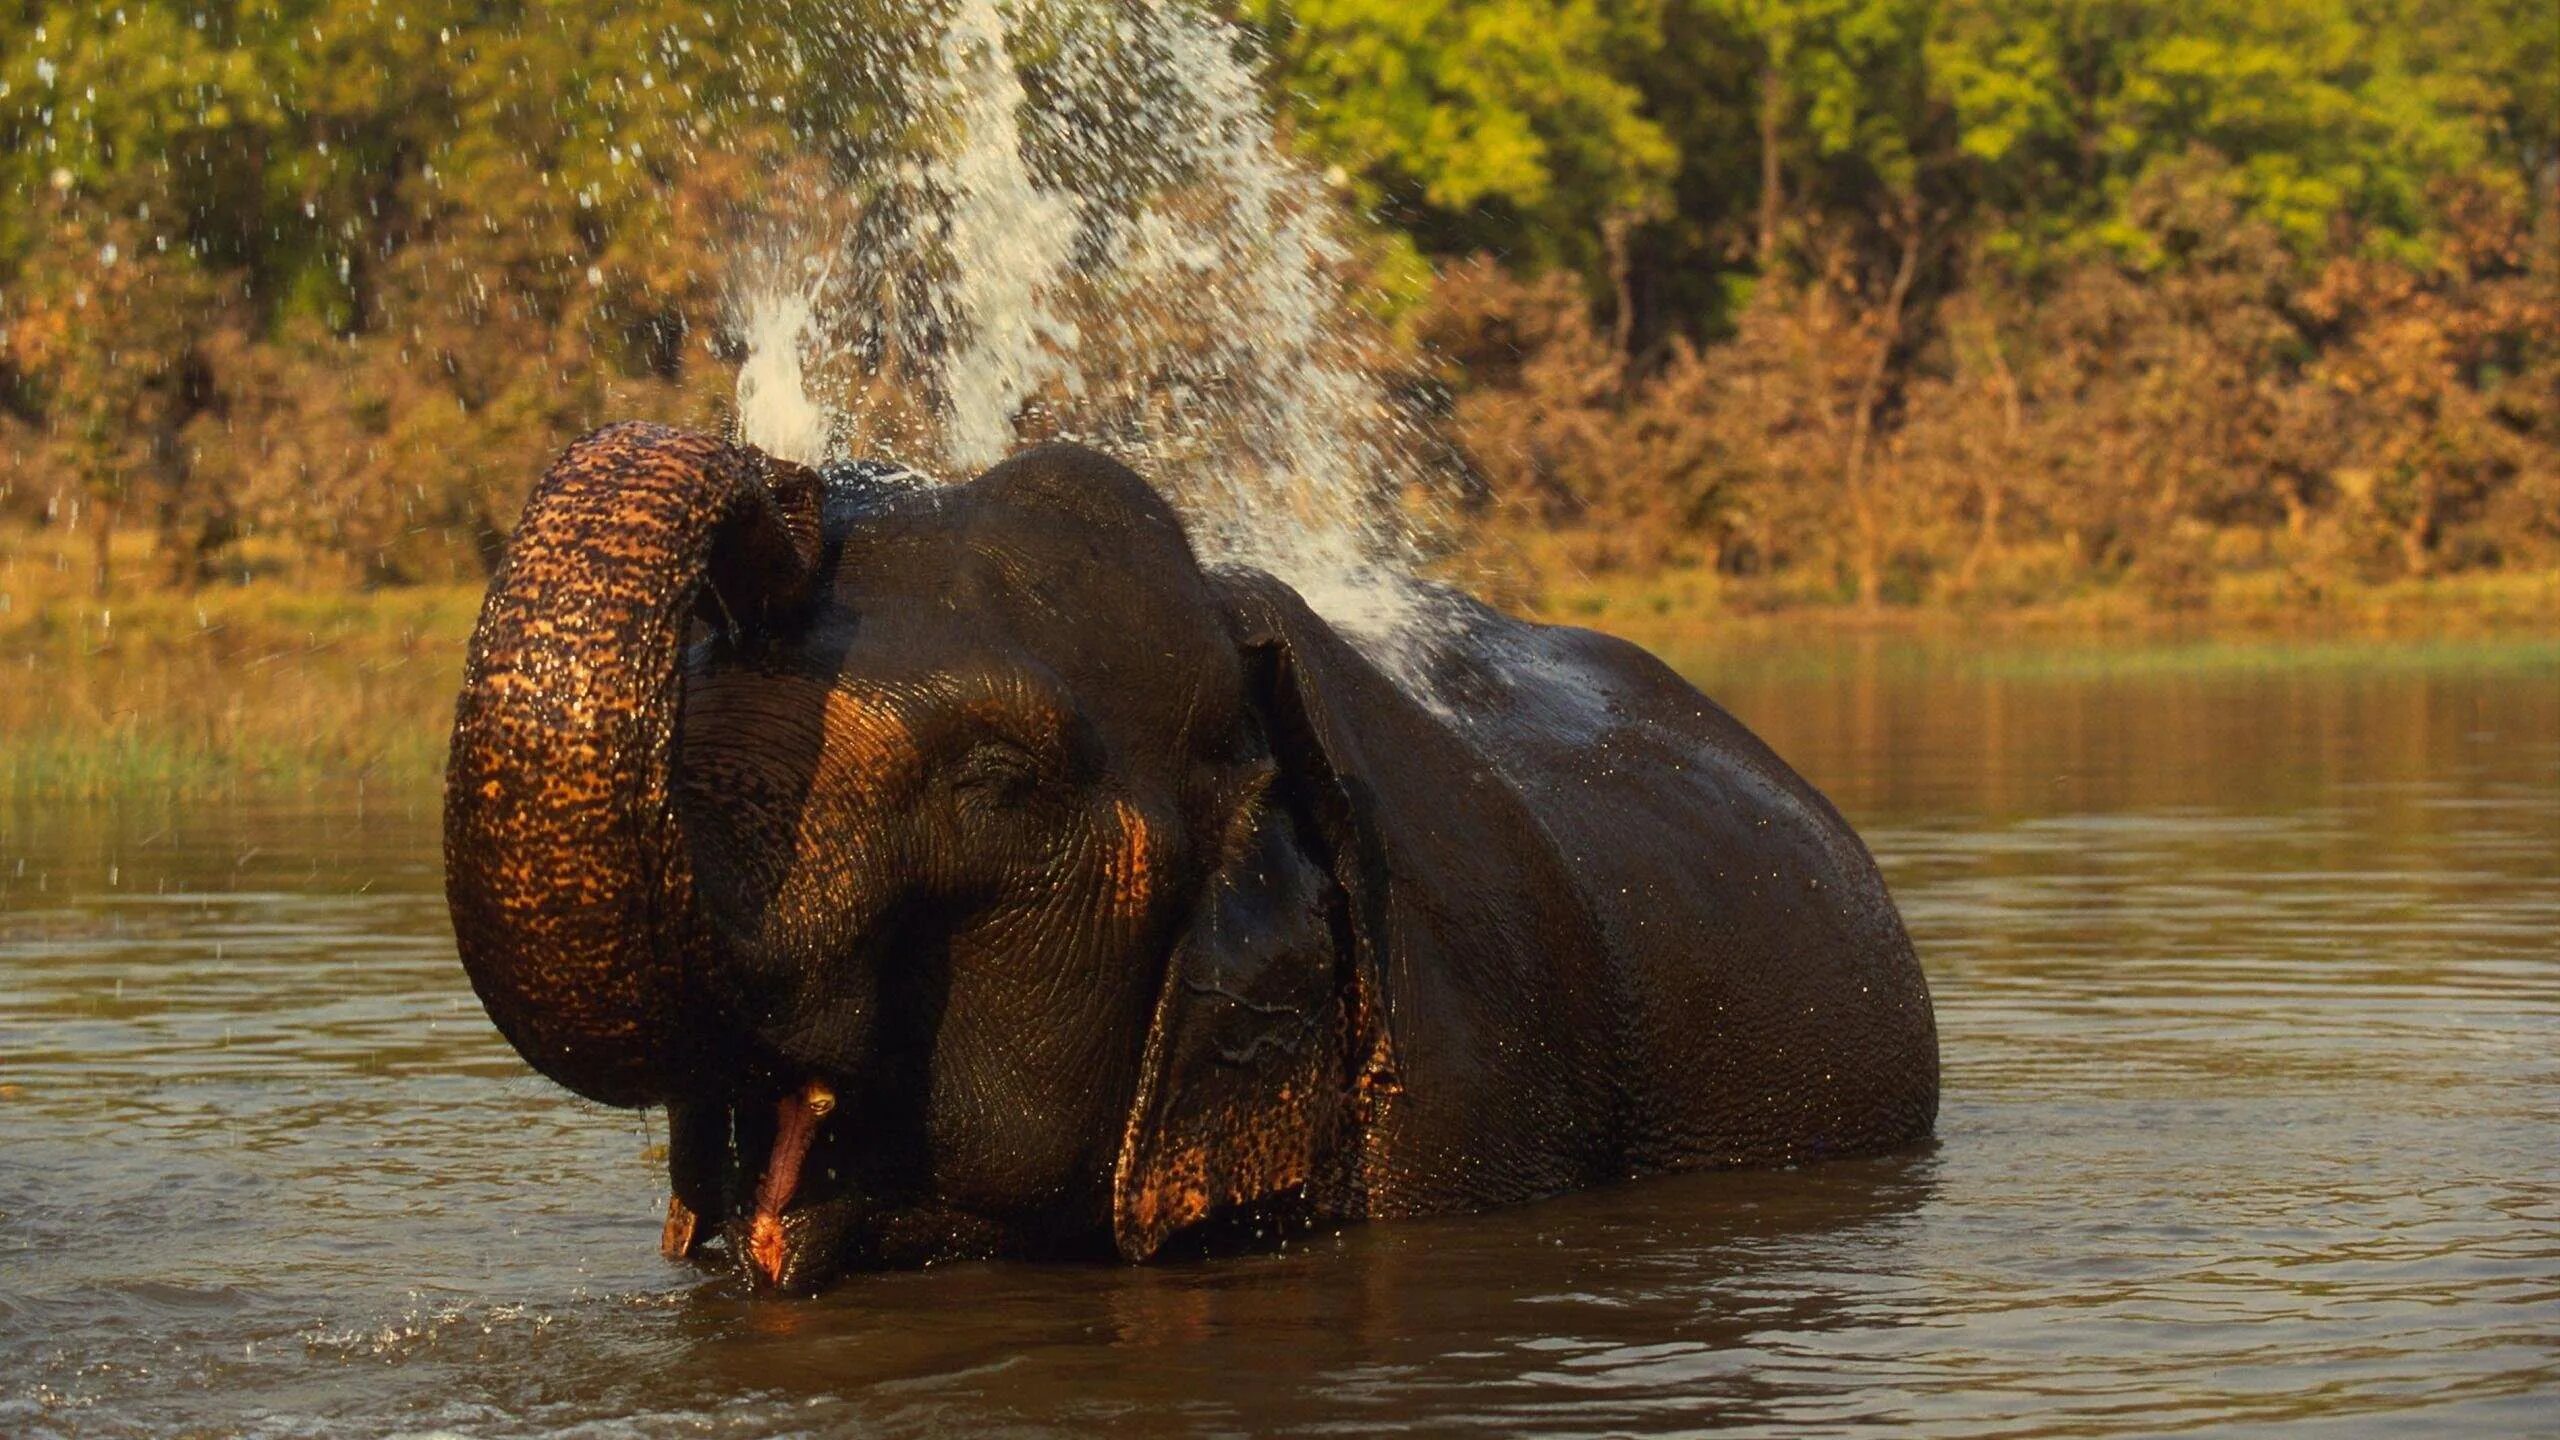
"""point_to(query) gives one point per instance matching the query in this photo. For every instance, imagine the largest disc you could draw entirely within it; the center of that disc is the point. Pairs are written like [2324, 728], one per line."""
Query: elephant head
[959, 865]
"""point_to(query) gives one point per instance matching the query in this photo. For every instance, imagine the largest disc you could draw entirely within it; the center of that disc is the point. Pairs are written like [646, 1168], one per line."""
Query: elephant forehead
[1023, 712]
[1119, 625]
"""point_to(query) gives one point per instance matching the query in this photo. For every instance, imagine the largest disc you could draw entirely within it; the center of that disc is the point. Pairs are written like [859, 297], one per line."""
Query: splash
[775, 412]
[1009, 241]
[1112, 246]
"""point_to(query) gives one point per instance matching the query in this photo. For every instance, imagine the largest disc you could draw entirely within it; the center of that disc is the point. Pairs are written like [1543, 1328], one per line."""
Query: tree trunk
[2417, 552]
[1870, 568]
[1862, 417]
[1773, 119]
[488, 539]
[102, 538]
[1992, 489]
[1615, 230]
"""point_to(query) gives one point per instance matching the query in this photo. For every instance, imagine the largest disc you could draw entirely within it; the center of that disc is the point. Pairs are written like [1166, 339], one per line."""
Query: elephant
[970, 870]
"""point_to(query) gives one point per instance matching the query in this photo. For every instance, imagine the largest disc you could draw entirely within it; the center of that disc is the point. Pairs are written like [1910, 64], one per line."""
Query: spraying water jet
[1134, 262]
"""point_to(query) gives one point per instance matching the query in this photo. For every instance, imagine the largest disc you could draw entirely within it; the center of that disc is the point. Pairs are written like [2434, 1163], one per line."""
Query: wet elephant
[971, 871]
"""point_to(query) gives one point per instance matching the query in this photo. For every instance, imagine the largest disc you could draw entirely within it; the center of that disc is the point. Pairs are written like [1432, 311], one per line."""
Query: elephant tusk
[796, 1124]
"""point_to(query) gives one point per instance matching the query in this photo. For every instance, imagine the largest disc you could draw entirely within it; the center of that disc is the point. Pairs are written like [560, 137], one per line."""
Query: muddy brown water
[2250, 992]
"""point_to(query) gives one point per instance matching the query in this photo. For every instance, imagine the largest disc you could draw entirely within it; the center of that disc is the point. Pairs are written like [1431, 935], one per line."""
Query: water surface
[2248, 986]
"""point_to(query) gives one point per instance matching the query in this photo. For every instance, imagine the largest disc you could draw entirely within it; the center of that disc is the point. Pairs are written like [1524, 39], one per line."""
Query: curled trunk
[570, 886]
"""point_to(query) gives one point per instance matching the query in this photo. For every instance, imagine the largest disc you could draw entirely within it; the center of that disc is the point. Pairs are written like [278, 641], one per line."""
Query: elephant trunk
[568, 877]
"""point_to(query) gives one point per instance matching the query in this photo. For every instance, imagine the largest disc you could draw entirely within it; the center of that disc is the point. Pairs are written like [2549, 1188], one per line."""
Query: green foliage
[1984, 300]
[1851, 73]
[1488, 123]
[2330, 115]
[1771, 278]
[261, 255]
[1524, 125]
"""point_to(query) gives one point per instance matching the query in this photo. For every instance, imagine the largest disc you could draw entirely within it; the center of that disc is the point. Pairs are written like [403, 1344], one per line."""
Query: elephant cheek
[864, 746]
[866, 756]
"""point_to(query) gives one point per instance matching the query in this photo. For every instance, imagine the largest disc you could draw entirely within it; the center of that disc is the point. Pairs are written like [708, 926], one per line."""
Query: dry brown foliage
[2228, 410]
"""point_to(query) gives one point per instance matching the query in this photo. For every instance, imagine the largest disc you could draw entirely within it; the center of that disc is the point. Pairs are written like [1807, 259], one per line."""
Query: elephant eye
[997, 771]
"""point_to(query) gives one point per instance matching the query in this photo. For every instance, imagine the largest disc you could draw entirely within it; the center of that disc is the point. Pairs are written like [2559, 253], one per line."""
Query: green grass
[2065, 657]
[267, 687]
[230, 689]
[1682, 606]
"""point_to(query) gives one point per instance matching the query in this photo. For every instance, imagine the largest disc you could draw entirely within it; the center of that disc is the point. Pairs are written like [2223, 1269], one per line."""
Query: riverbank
[227, 690]
[268, 686]
[1686, 609]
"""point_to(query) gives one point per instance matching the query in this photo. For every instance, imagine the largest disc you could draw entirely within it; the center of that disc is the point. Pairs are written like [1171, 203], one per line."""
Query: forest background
[1721, 306]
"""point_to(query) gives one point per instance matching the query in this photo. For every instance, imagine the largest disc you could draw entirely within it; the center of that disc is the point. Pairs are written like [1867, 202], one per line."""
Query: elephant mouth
[796, 1119]
[790, 1214]
[807, 1202]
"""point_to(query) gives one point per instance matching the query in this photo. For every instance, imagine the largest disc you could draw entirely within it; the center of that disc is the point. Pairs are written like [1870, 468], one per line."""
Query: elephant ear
[1443, 884]
[1239, 1087]
[1267, 1051]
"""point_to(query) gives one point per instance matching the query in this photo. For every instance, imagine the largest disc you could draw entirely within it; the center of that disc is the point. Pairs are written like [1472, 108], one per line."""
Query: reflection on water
[2251, 1007]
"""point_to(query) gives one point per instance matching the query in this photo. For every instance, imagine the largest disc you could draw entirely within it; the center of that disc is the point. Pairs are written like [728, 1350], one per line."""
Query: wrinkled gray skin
[1111, 899]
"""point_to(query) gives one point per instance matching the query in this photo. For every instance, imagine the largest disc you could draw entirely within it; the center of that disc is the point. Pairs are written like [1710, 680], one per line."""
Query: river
[2248, 974]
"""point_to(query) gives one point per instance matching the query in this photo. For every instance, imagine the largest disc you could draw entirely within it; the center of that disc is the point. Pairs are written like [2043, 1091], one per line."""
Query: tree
[1506, 125]
[2329, 115]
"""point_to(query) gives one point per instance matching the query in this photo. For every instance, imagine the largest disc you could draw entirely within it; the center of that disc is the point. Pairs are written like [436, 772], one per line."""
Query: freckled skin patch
[1177, 1194]
[568, 885]
[1131, 859]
